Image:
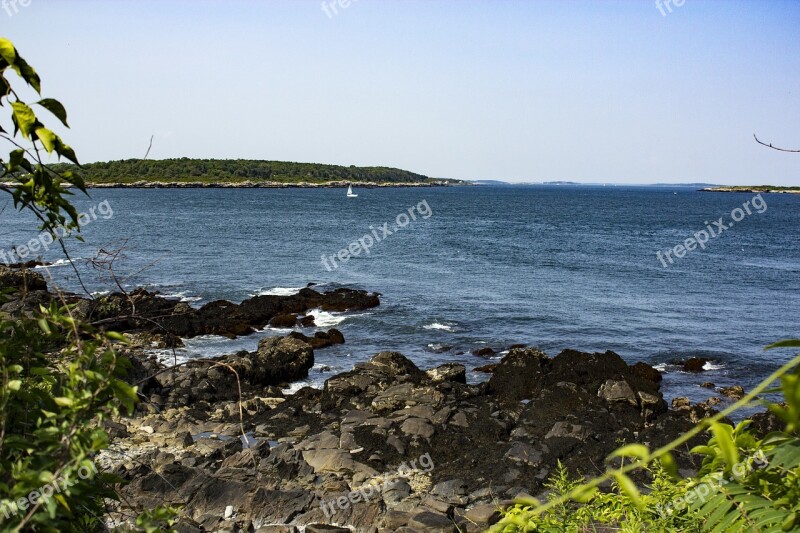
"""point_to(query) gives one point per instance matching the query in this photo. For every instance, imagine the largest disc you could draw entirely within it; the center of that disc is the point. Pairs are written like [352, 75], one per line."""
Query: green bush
[60, 379]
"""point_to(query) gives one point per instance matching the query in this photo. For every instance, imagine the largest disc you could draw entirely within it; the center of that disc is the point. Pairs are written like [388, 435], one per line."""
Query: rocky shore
[384, 447]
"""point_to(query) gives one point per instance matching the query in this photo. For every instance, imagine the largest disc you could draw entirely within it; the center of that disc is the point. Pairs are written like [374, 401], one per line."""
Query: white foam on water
[183, 296]
[279, 291]
[713, 366]
[59, 263]
[324, 319]
[437, 325]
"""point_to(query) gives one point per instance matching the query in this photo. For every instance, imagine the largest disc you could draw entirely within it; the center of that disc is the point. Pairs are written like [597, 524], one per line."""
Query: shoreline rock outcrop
[484, 443]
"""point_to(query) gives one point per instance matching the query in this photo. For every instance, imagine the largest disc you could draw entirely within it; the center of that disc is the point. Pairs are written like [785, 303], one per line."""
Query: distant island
[756, 189]
[185, 172]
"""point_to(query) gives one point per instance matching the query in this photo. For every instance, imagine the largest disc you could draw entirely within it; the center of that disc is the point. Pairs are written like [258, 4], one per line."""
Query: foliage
[745, 483]
[60, 379]
[36, 186]
[237, 171]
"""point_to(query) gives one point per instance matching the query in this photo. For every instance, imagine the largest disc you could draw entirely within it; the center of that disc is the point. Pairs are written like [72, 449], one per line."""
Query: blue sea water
[550, 266]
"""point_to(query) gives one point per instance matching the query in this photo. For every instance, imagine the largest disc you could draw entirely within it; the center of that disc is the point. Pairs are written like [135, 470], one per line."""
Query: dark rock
[735, 392]
[306, 321]
[431, 522]
[487, 369]
[617, 391]
[324, 528]
[281, 359]
[645, 371]
[320, 339]
[695, 364]
[483, 352]
[21, 280]
[708, 385]
[448, 372]
[283, 321]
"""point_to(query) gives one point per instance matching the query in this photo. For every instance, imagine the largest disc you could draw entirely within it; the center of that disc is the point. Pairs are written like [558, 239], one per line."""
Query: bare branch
[773, 147]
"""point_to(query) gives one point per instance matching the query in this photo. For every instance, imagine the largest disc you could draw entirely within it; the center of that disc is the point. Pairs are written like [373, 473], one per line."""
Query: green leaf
[115, 336]
[669, 465]
[639, 451]
[24, 117]
[63, 401]
[723, 434]
[44, 325]
[47, 137]
[627, 486]
[56, 108]
[7, 51]
[789, 343]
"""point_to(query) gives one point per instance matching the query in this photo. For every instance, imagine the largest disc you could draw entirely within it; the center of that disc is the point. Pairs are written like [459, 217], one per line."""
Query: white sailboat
[350, 192]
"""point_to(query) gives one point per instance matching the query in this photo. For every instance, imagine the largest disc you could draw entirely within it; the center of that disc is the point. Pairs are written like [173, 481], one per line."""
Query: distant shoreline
[754, 189]
[254, 185]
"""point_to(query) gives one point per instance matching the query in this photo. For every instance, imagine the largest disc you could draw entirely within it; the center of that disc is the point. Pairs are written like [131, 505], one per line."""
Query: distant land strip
[241, 173]
[754, 189]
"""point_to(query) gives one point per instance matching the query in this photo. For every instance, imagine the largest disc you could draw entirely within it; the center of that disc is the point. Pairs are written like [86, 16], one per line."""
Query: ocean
[552, 266]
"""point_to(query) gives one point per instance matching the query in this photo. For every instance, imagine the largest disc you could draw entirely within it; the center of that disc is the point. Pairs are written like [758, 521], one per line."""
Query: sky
[520, 91]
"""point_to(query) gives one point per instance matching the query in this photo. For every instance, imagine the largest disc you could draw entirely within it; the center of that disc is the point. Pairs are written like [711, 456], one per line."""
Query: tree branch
[774, 147]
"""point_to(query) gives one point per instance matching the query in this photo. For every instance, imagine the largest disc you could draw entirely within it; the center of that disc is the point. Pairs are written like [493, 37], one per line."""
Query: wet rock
[695, 364]
[708, 385]
[321, 339]
[283, 321]
[483, 352]
[645, 371]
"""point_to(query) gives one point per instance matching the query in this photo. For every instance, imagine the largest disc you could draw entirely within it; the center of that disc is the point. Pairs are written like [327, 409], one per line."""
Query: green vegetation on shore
[239, 171]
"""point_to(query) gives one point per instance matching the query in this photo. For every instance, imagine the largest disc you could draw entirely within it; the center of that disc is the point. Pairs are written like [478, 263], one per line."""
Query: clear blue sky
[500, 89]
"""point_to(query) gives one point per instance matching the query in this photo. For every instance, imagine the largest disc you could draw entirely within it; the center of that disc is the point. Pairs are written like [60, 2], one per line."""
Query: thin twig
[774, 147]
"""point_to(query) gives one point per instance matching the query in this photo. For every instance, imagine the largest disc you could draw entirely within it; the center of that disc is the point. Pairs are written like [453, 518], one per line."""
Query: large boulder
[281, 360]
[21, 280]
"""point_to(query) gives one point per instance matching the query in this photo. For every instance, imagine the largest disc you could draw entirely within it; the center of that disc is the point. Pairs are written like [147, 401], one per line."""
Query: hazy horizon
[591, 92]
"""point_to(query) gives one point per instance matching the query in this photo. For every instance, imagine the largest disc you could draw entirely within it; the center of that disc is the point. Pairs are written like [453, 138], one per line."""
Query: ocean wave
[437, 325]
[279, 291]
[59, 263]
[324, 319]
[183, 296]
[713, 366]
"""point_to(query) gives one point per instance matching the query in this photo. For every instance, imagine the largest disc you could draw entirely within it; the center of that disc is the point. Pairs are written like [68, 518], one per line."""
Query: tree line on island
[237, 171]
